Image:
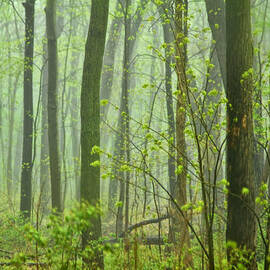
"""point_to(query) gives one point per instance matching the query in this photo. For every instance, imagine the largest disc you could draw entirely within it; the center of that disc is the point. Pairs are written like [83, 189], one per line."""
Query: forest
[135, 134]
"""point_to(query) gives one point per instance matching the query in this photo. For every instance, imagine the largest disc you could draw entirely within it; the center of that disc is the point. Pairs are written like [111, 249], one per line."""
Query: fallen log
[144, 223]
[150, 240]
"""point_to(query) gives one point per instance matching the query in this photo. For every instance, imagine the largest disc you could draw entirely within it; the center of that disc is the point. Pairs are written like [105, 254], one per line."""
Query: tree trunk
[90, 120]
[168, 39]
[53, 133]
[113, 185]
[216, 18]
[2, 161]
[17, 161]
[12, 102]
[26, 177]
[180, 226]
[75, 127]
[109, 57]
[124, 125]
[44, 154]
[240, 149]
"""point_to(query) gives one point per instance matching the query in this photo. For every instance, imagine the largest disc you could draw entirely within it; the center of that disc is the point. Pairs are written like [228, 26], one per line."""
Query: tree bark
[44, 154]
[180, 226]
[124, 126]
[53, 132]
[168, 38]
[26, 177]
[90, 120]
[240, 146]
[75, 127]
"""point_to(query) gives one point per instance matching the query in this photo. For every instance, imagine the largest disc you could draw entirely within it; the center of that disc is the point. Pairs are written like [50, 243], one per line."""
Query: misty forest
[135, 134]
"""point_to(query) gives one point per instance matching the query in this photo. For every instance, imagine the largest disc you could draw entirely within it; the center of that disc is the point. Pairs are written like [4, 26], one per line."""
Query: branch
[143, 223]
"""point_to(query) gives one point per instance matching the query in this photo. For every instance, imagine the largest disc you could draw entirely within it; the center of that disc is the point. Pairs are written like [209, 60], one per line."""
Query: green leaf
[245, 191]
[95, 150]
[95, 163]
[104, 102]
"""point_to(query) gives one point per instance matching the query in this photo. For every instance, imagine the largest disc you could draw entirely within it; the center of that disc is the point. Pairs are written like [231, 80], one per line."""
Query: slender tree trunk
[240, 149]
[90, 121]
[124, 125]
[2, 161]
[180, 227]
[210, 175]
[169, 103]
[44, 154]
[12, 102]
[26, 178]
[64, 112]
[216, 18]
[75, 126]
[109, 58]
[113, 186]
[53, 133]
[18, 155]
[152, 100]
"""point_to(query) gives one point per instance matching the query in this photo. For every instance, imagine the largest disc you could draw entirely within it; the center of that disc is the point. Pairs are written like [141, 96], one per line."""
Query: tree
[90, 119]
[26, 177]
[44, 151]
[109, 58]
[240, 167]
[53, 133]
[124, 151]
[168, 39]
[180, 225]
[130, 31]
[216, 18]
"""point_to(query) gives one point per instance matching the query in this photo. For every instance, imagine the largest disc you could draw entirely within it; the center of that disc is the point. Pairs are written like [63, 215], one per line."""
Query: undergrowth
[57, 245]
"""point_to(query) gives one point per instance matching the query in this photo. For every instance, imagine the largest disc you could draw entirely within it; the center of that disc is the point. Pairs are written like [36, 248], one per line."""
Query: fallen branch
[144, 223]
[152, 240]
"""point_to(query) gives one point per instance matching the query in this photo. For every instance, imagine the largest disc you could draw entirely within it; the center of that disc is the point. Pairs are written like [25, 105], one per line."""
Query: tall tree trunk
[124, 125]
[74, 106]
[180, 226]
[168, 38]
[152, 100]
[26, 178]
[211, 174]
[113, 185]
[90, 120]
[2, 161]
[109, 57]
[18, 155]
[75, 126]
[44, 154]
[53, 132]
[240, 149]
[64, 113]
[12, 102]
